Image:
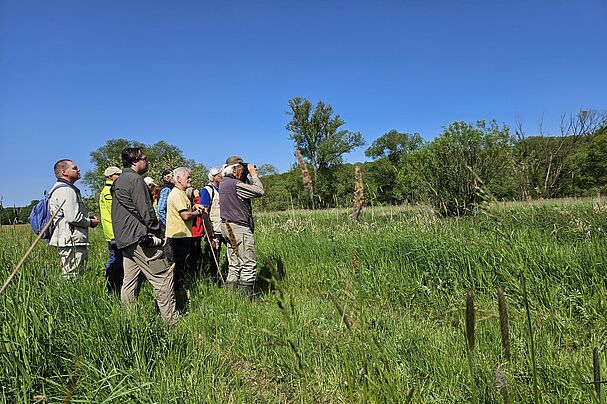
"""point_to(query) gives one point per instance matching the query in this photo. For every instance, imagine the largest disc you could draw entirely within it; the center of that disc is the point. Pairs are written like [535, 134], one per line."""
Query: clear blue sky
[214, 78]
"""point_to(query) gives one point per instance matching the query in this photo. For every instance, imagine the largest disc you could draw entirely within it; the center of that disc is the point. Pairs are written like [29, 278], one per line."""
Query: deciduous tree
[318, 135]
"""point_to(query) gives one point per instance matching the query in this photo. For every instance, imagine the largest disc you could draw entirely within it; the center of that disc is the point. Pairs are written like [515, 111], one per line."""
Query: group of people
[162, 233]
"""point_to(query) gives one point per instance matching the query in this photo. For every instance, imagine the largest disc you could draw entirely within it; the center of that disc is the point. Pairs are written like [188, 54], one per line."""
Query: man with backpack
[71, 224]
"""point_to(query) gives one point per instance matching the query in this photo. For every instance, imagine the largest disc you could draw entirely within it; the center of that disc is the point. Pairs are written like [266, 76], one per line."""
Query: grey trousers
[73, 260]
[242, 268]
[155, 267]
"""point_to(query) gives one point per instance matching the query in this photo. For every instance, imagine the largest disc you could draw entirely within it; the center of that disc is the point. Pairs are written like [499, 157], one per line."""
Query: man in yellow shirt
[180, 214]
[114, 270]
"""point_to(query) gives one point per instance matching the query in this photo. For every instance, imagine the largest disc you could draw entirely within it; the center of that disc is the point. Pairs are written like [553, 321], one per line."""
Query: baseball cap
[213, 172]
[111, 170]
[234, 160]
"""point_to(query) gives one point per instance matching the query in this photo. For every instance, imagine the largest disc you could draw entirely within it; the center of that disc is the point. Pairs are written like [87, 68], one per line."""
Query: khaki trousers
[152, 263]
[242, 268]
[73, 260]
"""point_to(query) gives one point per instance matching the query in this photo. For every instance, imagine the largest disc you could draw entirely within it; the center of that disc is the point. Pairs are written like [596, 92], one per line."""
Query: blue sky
[214, 78]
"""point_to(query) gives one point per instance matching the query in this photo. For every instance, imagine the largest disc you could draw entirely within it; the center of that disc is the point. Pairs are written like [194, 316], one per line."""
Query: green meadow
[366, 311]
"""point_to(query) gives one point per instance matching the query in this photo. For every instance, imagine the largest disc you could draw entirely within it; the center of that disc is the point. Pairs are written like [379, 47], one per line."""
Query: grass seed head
[359, 197]
[305, 175]
[355, 266]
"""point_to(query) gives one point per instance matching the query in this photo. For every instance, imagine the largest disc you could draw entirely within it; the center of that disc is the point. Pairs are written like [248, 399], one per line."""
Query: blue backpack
[41, 215]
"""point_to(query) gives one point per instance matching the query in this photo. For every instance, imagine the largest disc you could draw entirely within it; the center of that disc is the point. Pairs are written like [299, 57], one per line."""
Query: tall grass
[403, 339]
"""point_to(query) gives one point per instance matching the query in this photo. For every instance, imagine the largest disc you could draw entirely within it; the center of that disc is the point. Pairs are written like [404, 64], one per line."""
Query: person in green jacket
[114, 269]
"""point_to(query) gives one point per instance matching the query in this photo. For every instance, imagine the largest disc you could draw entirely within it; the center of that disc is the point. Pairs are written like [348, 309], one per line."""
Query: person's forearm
[248, 191]
[187, 215]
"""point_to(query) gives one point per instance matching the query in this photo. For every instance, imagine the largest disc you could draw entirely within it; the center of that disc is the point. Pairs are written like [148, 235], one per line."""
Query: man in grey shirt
[237, 222]
[71, 234]
[136, 231]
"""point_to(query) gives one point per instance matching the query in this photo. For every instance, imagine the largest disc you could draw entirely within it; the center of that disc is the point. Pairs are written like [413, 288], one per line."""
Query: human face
[141, 165]
[217, 179]
[184, 181]
[238, 171]
[72, 172]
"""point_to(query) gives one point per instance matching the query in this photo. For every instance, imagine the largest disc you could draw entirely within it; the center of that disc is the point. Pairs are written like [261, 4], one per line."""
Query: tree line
[467, 163]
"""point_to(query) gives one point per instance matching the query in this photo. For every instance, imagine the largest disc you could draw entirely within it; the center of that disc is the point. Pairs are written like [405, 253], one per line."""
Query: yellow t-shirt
[176, 226]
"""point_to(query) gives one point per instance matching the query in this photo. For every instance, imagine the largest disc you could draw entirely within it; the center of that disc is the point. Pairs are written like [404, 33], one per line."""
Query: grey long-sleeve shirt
[72, 221]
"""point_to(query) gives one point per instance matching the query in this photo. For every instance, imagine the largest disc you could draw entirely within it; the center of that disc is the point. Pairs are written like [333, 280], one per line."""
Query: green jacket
[105, 207]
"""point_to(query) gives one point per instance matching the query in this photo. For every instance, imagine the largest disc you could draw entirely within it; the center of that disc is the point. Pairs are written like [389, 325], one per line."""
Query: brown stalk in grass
[503, 312]
[596, 366]
[359, 197]
[470, 319]
[305, 175]
[232, 239]
[355, 266]
[72, 386]
[340, 308]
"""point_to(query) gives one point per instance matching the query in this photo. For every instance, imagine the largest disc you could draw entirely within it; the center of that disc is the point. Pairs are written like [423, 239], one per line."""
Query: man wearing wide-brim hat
[237, 222]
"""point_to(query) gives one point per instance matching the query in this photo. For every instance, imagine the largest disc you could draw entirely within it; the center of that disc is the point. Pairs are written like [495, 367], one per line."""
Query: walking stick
[10, 277]
[211, 246]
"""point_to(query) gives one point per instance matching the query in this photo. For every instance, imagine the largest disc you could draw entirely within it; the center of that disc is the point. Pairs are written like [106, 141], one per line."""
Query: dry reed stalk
[596, 365]
[72, 386]
[503, 313]
[536, 392]
[470, 320]
[355, 266]
[501, 383]
[305, 175]
[410, 395]
[232, 239]
[342, 311]
[359, 197]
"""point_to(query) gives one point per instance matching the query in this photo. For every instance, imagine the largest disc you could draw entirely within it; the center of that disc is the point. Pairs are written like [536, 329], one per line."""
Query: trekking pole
[212, 250]
[46, 226]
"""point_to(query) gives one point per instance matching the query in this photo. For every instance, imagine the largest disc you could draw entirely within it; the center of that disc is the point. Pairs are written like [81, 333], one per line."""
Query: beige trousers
[152, 263]
[242, 268]
[73, 260]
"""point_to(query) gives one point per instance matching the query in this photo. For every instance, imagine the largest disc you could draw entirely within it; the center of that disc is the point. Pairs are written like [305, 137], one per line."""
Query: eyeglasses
[144, 158]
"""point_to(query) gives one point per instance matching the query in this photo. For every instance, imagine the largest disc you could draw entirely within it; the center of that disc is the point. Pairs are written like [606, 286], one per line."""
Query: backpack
[211, 190]
[41, 215]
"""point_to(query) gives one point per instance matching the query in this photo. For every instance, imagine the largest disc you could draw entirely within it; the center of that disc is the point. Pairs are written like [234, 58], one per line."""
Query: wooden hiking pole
[29, 251]
[206, 233]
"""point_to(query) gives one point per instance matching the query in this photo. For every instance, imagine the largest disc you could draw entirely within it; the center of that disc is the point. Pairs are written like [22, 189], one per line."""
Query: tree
[543, 160]
[317, 134]
[393, 144]
[161, 156]
[461, 162]
[267, 169]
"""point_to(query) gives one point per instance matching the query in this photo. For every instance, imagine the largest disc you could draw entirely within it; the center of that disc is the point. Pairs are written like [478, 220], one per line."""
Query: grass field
[372, 311]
